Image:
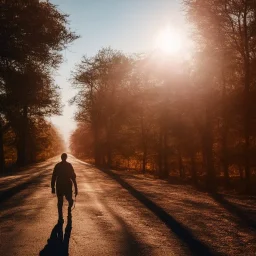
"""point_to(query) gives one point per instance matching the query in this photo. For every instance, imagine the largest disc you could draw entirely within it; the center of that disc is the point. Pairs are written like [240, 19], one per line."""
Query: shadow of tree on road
[129, 243]
[241, 214]
[195, 246]
[56, 244]
[8, 193]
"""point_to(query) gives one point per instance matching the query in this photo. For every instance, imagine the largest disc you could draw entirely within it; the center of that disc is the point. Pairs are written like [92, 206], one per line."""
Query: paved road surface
[107, 219]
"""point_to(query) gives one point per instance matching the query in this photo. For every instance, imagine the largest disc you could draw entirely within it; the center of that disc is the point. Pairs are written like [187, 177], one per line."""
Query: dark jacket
[63, 175]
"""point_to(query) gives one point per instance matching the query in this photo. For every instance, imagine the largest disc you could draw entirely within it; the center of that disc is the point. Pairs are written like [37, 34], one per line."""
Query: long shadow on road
[234, 210]
[57, 245]
[8, 193]
[130, 245]
[195, 246]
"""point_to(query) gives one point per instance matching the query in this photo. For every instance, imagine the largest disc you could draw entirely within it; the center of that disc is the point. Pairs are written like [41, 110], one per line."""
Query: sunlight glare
[169, 41]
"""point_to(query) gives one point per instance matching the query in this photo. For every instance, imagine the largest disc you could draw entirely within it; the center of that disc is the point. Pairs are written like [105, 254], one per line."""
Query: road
[108, 218]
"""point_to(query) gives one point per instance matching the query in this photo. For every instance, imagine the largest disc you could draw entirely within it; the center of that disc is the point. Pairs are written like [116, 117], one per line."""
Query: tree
[102, 97]
[32, 36]
[227, 28]
[81, 142]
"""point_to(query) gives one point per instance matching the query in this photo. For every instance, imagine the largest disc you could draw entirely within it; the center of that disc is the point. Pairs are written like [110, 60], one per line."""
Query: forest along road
[109, 218]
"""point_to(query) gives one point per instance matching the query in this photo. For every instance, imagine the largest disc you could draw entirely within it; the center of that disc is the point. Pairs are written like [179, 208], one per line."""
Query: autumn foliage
[32, 36]
[191, 118]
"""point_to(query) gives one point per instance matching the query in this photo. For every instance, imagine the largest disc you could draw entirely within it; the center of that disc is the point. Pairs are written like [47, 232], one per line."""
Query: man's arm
[73, 178]
[54, 176]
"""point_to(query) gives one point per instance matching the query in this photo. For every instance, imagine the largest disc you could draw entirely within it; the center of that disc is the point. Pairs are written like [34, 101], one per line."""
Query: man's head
[64, 157]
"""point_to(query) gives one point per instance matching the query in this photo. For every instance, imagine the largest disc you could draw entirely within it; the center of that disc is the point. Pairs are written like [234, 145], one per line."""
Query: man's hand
[53, 190]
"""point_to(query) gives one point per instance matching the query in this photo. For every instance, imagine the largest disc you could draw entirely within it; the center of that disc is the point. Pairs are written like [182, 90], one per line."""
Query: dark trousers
[68, 196]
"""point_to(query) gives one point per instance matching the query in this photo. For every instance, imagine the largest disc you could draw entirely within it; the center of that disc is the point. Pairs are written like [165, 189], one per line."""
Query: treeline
[194, 118]
[32, 35]
[45, 142]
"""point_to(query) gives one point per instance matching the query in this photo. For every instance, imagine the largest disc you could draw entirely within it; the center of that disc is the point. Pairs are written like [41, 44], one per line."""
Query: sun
[169, 41]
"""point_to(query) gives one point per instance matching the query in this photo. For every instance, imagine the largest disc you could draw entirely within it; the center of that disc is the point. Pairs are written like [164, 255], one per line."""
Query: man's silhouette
[63, 175]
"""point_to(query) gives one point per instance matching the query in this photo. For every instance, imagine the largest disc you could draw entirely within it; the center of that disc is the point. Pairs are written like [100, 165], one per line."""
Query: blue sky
[128, 25]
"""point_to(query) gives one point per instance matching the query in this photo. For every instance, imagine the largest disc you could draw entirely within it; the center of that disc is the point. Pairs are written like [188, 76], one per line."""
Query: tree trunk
[160, 155]
[247, 146]
[241, 172]
[109, 154]
[181, 169]
[109, 132]
[97, 148]
[208, 153]
[165, 155]
[22, 149]
[247, 80]
[2, 160]
[225, 162]
[144, 143]
[225, 166]
[144, 160]
[193, 168]
[20, 152]
[210, 172]
[97, 155]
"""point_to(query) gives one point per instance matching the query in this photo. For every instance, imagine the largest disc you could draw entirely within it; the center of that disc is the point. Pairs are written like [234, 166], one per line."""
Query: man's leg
[70, 202]
[60, 204]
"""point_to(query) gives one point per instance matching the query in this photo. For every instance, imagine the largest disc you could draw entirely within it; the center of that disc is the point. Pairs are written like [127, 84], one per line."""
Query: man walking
[63, 175]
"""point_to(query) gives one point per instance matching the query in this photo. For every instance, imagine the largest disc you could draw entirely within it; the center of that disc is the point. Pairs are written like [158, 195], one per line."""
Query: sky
[131, 26]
